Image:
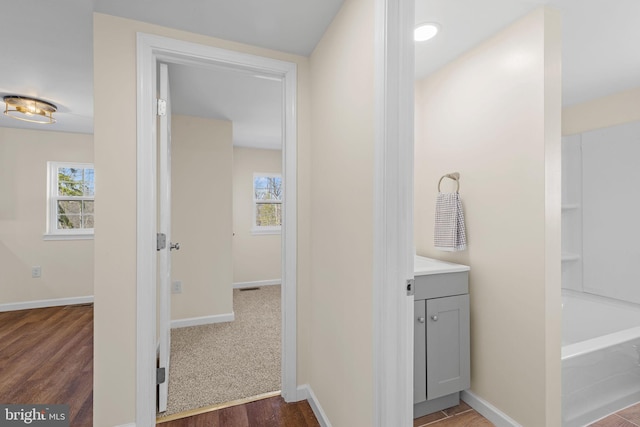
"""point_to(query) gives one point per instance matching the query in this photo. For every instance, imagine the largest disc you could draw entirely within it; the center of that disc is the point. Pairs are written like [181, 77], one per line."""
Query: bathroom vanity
[441, 335]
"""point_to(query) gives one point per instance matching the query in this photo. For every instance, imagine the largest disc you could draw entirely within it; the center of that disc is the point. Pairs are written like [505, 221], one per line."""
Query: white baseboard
[203, 320]
[27, 305]
[306, 393]
[256, 284]
[487, 410]
[127, 425]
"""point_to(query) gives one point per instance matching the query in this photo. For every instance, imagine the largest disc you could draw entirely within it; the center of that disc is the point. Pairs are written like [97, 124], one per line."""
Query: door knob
[175, 246]
[420, 319]
[434, 318]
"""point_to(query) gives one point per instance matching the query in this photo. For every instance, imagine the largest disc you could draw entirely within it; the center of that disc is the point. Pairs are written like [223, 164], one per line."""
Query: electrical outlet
[176, 287]
[36, 271]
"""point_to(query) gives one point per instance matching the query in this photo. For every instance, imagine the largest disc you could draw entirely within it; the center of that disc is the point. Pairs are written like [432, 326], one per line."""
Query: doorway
[226, 204]
[154, 49]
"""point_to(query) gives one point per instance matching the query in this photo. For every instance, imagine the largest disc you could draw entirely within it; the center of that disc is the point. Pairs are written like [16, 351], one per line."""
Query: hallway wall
[115, 243]
[342, 111]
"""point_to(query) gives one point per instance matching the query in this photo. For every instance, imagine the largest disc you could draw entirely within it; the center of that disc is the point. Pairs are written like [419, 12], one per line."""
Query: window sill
[266, 231]
[50, 236]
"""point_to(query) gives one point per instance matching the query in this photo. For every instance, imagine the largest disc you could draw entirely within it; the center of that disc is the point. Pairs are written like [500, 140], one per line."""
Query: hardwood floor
[46, 357]
[270, 412]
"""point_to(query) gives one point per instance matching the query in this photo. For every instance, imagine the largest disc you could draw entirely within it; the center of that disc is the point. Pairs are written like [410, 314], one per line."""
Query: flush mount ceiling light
[29, 109]
[426, 31]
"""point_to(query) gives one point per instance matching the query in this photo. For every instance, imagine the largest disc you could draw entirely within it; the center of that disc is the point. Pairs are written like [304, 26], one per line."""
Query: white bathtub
[600, 357]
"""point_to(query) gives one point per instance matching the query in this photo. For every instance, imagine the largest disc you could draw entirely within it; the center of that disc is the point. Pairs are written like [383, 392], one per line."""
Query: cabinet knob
[420, 319]
[434, 318]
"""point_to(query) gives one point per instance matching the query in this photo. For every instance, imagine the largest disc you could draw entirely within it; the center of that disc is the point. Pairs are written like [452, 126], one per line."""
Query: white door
[164, 221]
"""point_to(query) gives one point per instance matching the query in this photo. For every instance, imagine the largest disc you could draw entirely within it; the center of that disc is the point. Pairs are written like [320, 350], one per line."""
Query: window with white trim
[71, 193]
[267, 203]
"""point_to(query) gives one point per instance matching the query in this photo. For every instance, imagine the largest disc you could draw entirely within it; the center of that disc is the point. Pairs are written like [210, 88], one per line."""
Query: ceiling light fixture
[29, 109]
[426, 31]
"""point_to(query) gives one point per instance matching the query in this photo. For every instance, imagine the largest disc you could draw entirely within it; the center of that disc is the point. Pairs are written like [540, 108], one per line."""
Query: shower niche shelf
[570, 207]
[566, 257]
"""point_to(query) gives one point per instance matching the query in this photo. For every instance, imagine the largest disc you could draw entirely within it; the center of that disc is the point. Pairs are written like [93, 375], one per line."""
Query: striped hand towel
[449, 234]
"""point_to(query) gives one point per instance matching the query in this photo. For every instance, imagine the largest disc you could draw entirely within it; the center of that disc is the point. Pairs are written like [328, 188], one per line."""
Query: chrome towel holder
[454, 176]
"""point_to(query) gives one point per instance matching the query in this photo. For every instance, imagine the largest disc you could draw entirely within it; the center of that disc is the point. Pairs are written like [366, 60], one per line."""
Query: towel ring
[454, 176]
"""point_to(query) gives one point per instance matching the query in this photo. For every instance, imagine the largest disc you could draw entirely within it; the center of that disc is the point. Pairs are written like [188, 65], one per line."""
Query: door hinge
[162, 107]
[410, 287]
[160, 375]
[161, 241]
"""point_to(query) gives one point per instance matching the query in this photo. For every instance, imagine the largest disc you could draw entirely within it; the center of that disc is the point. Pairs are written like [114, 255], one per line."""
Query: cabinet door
[447, 345]
[419, 353]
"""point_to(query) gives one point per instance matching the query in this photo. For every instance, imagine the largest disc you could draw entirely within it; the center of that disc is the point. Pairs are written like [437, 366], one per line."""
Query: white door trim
[393, 218]
[150, 49]
[164, 226]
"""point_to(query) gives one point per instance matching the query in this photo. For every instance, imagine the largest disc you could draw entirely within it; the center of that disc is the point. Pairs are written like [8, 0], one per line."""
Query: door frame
[150, 50]
[393, 213]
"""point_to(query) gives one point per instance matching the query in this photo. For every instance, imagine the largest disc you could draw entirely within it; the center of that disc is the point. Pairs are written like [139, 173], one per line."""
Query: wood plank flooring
[46, 357]
[270, 412]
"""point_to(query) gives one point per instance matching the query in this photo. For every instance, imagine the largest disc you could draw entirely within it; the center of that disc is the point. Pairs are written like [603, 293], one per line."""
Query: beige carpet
[218, 363]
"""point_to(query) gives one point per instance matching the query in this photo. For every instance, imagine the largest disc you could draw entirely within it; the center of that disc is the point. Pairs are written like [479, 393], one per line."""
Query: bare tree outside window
[267, 198]
[76, 190]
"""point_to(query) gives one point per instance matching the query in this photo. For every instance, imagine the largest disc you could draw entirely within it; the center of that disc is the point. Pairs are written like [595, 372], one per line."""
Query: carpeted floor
[218, 363]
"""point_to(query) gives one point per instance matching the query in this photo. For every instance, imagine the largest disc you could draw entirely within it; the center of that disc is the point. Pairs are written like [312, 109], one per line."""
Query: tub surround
[601, 302]
[600, 371]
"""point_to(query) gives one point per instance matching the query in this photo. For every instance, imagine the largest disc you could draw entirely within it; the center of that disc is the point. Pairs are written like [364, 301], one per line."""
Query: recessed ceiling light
[424, 32]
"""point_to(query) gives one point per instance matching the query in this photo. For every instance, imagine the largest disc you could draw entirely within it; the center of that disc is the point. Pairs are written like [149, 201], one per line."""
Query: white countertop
[423, 266]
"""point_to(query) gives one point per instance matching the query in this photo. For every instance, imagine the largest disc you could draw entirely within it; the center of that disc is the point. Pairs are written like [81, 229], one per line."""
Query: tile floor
[629, 417]
[458, 416]
[465, 416]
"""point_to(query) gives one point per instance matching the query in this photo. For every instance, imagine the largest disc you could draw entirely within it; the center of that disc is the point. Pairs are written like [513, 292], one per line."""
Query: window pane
[76, 182]
[70, 182]
[87, 207]
[75, 214]
[89, 183]
[87, 221]
[69, 221]
[69, 207]
[267, 187]
[268, 214]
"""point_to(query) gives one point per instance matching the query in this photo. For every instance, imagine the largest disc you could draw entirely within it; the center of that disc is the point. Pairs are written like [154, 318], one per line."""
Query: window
[71, 190]
[267, 203]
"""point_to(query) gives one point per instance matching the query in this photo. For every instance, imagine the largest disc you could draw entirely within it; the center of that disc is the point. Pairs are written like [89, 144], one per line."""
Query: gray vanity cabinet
[441, 341]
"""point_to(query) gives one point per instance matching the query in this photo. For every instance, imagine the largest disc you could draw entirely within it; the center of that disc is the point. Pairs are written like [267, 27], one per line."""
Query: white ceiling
[47, 50]
[253, 103]
[599, 39]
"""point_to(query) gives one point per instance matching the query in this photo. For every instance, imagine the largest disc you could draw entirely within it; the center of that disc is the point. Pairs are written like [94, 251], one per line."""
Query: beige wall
[255, 257]
[115, 242]
[201, 218]
[342, 107]
[494, 116]
[619, 108]
[67, 266]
